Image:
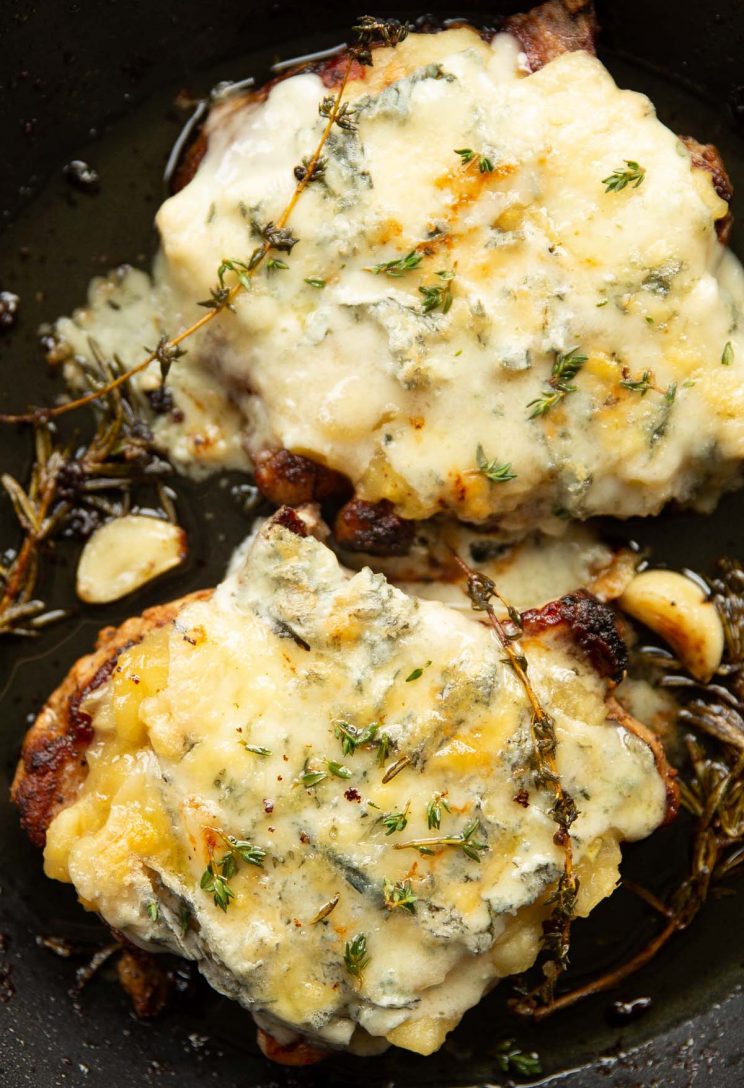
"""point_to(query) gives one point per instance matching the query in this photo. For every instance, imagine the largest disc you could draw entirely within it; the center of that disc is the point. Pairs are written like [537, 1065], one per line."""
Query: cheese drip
[355, 374]
[206, 729]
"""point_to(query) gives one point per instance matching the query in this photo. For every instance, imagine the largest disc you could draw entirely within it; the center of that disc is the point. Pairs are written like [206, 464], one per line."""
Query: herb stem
[230, 296]
[604, 982]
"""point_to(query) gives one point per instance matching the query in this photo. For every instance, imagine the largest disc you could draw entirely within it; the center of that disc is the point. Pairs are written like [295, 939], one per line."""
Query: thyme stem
[557, 928]
[42, 414]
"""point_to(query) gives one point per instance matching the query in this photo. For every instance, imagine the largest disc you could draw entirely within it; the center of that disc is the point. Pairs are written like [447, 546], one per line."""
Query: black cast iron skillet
[96, 80]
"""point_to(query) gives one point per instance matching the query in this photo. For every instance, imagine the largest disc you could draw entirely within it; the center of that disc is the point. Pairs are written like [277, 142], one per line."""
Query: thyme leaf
[439, 295]
[639, 385]
[371, 32]
[399, 895]
[345, 116]
[398, 266]
[417, 673]
[464, 839]
[564, 370]
[492, 470]
[279, 238]
[337, 769]
[256, 749]
[434, 809]
[511, 1059]
[394, 821]
[217, 885]
[325, 910]
[309, 779]
[467, 156]
[315, 281]
[662, 420]
[356, 956]
[310, 171]
[727, 357]
[632, 174]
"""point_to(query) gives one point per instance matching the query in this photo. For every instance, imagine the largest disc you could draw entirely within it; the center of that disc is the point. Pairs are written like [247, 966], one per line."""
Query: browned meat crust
[146, 981]
[593, 628]
[560, 26]
[289, 479]
[374, 528]
[53, 765]
[708, 157]
[296, 1053]
[668, 774]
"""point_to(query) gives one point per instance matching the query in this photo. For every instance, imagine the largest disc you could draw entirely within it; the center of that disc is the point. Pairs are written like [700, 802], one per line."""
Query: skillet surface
[96, 81]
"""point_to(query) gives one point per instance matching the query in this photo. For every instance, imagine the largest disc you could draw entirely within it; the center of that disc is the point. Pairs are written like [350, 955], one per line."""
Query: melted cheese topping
[357, 376]
[289, 648]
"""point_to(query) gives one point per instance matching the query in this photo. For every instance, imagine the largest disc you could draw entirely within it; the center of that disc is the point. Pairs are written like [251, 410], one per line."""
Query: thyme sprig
[368, 32]
[398, 266]
[565, 368]
[75, 486]
[41, 508]
[434, 809]
[395, 821]
[632, 174]
[399, 895]
[557, 927]
[468, 156]
[356, 956]
[512, 1059]
[215, 879]
[711, 787]
[493, 470]
[465, 840]
[367, 737]
[438, 296]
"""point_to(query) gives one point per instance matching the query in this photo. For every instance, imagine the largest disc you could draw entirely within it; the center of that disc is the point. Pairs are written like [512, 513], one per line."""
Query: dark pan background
[96, 79]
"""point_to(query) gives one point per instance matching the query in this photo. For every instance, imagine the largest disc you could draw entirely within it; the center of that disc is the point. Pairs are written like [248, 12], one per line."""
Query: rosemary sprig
[632, 174]
[564, 370]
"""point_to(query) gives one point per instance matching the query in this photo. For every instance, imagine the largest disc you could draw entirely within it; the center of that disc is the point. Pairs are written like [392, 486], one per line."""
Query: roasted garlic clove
[126, 553]
[677, 608]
